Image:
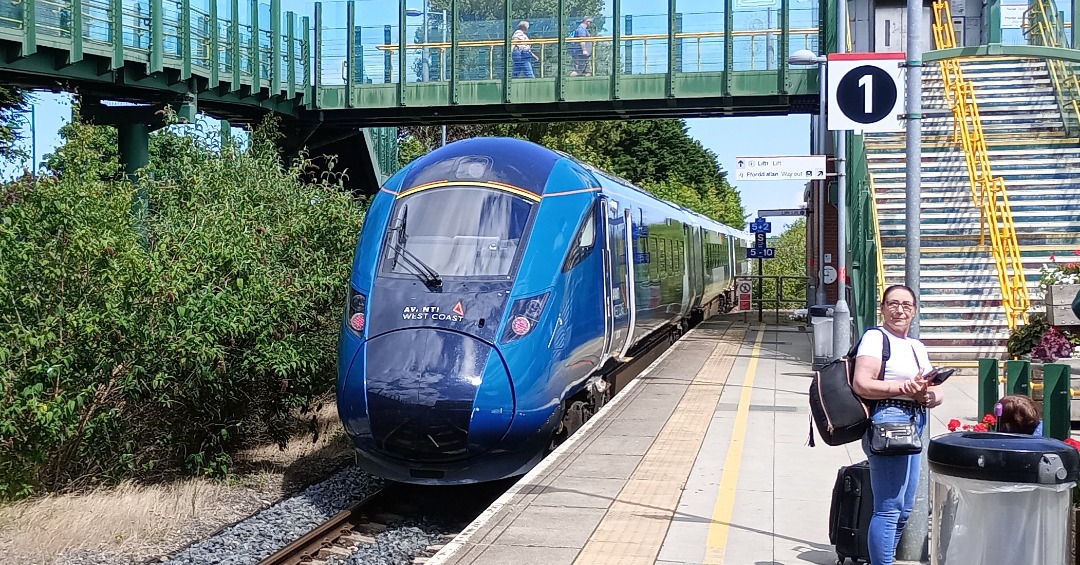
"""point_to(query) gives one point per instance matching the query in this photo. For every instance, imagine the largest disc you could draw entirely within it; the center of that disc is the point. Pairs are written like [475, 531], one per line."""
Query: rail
[758, 39]
[1045, 28]
[189, 36]
[758, 299]
[988, 192]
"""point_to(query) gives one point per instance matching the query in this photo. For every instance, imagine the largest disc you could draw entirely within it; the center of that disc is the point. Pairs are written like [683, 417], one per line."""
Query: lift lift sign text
[796, 167]
[428, 313]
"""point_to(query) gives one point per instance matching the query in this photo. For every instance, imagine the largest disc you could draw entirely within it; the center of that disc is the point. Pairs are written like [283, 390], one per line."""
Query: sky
[732, 137]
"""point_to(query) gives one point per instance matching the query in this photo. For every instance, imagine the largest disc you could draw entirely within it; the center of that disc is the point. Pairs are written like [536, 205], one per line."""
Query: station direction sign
[780, 167]
[782, 212]
[760, 228]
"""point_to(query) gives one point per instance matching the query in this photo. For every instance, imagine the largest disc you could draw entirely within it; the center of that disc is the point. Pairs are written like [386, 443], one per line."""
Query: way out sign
[866, 92]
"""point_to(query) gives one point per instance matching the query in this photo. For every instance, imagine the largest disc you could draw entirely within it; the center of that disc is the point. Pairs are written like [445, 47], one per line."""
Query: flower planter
[1059, 298]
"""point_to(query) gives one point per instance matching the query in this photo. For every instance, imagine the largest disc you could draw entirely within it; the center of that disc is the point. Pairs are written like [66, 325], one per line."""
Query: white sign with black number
[866, 92]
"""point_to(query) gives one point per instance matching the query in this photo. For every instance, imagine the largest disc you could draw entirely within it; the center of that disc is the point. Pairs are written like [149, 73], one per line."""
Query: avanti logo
[459, 309]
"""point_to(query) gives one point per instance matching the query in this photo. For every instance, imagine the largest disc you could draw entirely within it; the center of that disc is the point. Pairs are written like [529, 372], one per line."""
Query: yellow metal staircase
[988, 191]
[1045, 28]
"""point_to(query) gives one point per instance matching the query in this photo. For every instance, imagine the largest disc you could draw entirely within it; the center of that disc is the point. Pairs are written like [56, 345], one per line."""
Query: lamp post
[423, 51]
[425, 62]
[805, 57]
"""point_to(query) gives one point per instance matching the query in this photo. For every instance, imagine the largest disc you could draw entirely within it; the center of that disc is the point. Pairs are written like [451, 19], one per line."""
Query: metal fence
[773, 295]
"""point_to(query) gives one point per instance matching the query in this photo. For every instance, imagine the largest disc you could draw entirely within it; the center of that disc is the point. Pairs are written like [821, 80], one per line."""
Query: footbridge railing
[246, 46]
[1044, 27]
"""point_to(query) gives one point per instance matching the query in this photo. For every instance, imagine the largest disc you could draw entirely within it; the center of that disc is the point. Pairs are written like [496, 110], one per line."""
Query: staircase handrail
[988, 191]
[1044, 28]
[877, 232]
[868, 272]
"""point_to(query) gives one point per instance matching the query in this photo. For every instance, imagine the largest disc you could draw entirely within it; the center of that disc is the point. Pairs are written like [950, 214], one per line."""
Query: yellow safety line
[494, 185]
[725, 498]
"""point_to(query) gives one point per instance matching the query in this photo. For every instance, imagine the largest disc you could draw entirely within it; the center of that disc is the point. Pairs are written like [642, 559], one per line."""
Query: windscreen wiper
[414, 264]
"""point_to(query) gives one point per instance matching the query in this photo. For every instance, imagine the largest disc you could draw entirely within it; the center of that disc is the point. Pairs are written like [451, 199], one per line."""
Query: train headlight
[357, 311]
[524, 315]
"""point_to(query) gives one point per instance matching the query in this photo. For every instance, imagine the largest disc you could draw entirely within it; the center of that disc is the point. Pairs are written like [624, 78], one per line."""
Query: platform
[703, 459]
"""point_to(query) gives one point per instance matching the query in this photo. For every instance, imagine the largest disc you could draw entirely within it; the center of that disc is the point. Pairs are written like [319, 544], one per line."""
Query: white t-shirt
[902, 364]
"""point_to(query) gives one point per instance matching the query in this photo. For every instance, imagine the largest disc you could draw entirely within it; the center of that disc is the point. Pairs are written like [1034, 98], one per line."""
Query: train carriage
[494, 284]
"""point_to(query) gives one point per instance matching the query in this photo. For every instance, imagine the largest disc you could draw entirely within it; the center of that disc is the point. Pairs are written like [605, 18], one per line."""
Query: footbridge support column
[133, 125]
[133, 142]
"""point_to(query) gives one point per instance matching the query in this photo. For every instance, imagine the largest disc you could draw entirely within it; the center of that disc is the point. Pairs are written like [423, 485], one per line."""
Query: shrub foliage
[143, 349]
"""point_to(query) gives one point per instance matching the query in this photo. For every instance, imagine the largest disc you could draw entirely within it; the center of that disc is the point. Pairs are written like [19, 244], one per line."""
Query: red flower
[989, 420]
[981, 428]
[954, 424]
[1073, 442]
[1051, 257]
[1077, 252]
[966, 428]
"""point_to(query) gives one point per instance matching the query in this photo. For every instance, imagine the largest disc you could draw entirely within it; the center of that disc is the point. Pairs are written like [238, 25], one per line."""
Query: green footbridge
[373, 64]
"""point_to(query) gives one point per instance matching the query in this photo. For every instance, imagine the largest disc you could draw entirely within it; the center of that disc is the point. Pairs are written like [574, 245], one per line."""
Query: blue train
[495, 283]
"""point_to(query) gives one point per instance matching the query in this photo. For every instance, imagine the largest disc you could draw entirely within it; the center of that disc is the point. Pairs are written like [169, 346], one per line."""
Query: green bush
[1025, 338]
[136, 350]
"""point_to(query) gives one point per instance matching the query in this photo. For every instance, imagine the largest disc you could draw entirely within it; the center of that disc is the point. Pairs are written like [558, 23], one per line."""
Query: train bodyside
[469, 380]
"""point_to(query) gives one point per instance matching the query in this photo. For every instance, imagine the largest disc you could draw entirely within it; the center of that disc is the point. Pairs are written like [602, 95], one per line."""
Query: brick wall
[830, 237]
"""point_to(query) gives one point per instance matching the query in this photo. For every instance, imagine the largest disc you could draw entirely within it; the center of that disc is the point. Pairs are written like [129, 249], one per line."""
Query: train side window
[655, 257]
[583, 243]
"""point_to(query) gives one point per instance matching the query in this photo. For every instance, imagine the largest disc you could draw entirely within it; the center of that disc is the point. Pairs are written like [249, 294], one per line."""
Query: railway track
[395, 506]
[453, 507]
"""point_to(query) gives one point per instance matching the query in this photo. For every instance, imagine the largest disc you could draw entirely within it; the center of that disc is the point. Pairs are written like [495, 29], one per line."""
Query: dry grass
[142, 521]
[128, 514]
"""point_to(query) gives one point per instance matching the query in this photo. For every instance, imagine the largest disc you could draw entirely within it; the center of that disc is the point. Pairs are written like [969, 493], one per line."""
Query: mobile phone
[938, 376]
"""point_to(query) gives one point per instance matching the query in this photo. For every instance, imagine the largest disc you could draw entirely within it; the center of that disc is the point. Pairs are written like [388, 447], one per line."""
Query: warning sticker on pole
[742, 292]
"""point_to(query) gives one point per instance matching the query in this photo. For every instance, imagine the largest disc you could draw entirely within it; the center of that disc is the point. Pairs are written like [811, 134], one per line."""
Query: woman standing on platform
[902, 396]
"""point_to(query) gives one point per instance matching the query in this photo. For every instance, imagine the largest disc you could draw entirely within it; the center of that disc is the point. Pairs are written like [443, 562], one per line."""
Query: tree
[657, 155]
[473, 10]
[127, 356]
[790, 261]
[13, 103]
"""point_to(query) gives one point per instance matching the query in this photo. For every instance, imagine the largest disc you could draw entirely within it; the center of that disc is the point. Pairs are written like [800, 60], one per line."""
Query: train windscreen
[456, 231]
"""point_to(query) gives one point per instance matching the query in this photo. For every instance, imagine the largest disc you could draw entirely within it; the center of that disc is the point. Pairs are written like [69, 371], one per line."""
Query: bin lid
[822, 311]
[998, 456]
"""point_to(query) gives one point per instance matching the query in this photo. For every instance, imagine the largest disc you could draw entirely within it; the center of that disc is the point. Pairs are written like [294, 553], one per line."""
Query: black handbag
[895, 438]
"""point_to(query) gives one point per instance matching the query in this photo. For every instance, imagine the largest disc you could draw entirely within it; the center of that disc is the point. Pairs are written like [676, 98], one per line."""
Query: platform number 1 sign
[866, 92]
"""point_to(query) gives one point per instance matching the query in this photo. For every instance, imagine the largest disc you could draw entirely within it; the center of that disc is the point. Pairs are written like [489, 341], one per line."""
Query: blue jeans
[893, 479]
[523, 64]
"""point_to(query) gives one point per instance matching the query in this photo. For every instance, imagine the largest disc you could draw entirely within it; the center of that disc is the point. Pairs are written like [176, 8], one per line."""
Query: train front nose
[435, 395]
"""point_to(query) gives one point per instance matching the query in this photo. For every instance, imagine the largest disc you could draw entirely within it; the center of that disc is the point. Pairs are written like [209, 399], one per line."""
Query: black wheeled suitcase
[849, 515]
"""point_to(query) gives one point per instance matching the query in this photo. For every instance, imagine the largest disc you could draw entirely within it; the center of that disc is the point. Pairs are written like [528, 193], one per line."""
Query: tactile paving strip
[634, 527]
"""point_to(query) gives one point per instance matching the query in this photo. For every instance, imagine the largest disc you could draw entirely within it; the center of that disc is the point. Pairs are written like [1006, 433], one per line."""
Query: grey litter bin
[1000, 498]
[821, 320]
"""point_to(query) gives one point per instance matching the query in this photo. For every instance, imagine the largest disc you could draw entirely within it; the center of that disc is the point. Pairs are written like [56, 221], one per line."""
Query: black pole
[760, 290]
